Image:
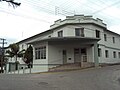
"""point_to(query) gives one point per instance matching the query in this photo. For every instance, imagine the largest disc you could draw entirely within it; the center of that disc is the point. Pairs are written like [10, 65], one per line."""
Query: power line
[64, 14]
[106, 7]
[52, 7]
[23, 16]
[52, 12]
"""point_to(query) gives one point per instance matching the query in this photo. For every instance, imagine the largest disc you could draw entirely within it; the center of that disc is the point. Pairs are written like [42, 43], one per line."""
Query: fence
[25, 69]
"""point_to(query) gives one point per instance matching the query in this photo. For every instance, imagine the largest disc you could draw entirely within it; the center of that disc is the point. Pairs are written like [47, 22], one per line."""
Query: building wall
[89, 31]
[109, 42]
[69, 30]
[111, 47]
[40, 64]
[90, 54]
[110, 58]
[41, 37]
[55, 56]
[54, 52]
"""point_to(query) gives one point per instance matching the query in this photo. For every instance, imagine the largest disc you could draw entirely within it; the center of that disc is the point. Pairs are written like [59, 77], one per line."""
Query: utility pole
[2, 59]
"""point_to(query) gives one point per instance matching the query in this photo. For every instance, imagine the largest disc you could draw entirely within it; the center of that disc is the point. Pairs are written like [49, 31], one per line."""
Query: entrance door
[76, 55]
[64, 56]
[84, 54]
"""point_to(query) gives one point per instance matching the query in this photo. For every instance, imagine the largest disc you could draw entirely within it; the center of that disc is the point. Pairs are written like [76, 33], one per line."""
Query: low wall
[23, 69]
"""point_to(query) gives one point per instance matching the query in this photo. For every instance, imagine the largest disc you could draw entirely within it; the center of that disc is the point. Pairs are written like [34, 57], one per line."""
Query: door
[76, 55]
[64, 56]
[84, 54]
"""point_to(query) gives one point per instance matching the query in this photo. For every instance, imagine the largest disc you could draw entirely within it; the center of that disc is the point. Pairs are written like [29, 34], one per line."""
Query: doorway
[64, 52]
[80, 54]
[84, 54]
[76, 55]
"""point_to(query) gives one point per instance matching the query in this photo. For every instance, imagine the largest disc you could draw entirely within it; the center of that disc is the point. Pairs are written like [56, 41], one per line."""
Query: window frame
[113, 38]
[97, 34]
[99, 52]
[60, 33]
[114, 54]
[40, 52]
[79, 32]
[106, 53]
[119, 54]
[105, 37]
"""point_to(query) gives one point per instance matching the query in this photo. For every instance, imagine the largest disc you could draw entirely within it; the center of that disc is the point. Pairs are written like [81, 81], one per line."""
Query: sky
[36, 16]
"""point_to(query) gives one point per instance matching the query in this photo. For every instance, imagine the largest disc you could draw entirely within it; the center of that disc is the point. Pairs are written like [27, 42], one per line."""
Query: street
[105, 78]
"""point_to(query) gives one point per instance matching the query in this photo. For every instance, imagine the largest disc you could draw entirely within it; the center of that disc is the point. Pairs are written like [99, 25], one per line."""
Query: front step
[71, 66]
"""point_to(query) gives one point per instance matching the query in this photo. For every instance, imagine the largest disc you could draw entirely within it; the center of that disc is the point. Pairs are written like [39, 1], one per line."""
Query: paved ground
[106, 78]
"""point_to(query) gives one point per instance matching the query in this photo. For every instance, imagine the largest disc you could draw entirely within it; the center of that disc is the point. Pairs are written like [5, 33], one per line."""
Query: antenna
[22, 34]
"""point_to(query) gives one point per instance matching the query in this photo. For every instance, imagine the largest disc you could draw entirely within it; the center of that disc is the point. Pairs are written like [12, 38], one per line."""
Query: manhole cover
[117, 69]
[62, 76]
[118, 80]
[43, 83]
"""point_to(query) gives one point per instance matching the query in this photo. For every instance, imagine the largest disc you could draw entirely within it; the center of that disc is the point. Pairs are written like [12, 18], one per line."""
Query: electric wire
[36, 18]
[106, 7]
[22, 15]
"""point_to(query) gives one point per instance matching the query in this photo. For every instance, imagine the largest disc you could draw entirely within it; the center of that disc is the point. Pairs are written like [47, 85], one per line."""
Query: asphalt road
[105, 78]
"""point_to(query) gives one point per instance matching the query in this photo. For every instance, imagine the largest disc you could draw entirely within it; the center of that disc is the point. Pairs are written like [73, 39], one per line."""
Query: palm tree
[14, 52]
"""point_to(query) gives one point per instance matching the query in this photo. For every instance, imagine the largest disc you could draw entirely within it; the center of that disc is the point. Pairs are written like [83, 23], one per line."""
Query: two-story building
[76, 39]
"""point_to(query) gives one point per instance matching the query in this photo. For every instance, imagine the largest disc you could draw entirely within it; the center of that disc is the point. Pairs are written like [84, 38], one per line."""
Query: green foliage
[29, 55]
[10, 54]
[14, 52]
[14, 48]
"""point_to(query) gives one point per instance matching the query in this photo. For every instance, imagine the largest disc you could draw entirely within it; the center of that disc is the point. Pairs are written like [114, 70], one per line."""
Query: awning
[66, 40]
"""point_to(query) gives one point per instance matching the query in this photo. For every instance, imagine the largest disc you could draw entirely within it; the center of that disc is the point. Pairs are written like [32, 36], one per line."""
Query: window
[99, 52]
[40, 53]
[113, 39]
[97, 34]
[119, 54]
[105, 37]
[36, 53]
[79, 32]
[106, 53]
[49, 36]
[22, 46]
[114, 54]
[60, 34]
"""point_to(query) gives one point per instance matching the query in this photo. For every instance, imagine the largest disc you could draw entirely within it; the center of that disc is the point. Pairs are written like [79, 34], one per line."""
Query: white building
[76, 39]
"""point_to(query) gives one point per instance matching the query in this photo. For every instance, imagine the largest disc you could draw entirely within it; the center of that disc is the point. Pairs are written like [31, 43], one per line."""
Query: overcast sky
[35, 16]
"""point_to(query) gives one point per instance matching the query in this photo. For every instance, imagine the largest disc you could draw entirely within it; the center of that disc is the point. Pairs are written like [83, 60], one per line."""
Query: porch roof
[66, 39]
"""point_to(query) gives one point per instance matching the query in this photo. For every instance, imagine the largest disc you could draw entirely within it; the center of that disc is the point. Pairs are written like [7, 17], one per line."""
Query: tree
[14, 52]
[28, 56]
[12, 2]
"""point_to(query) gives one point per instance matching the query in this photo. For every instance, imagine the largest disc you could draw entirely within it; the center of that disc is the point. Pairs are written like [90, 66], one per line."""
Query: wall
[40, 64]
[55, 53]
[109, 42]
[110, 46]
[54, 56]
[69, 30]
[110, 58]
[90, 54]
